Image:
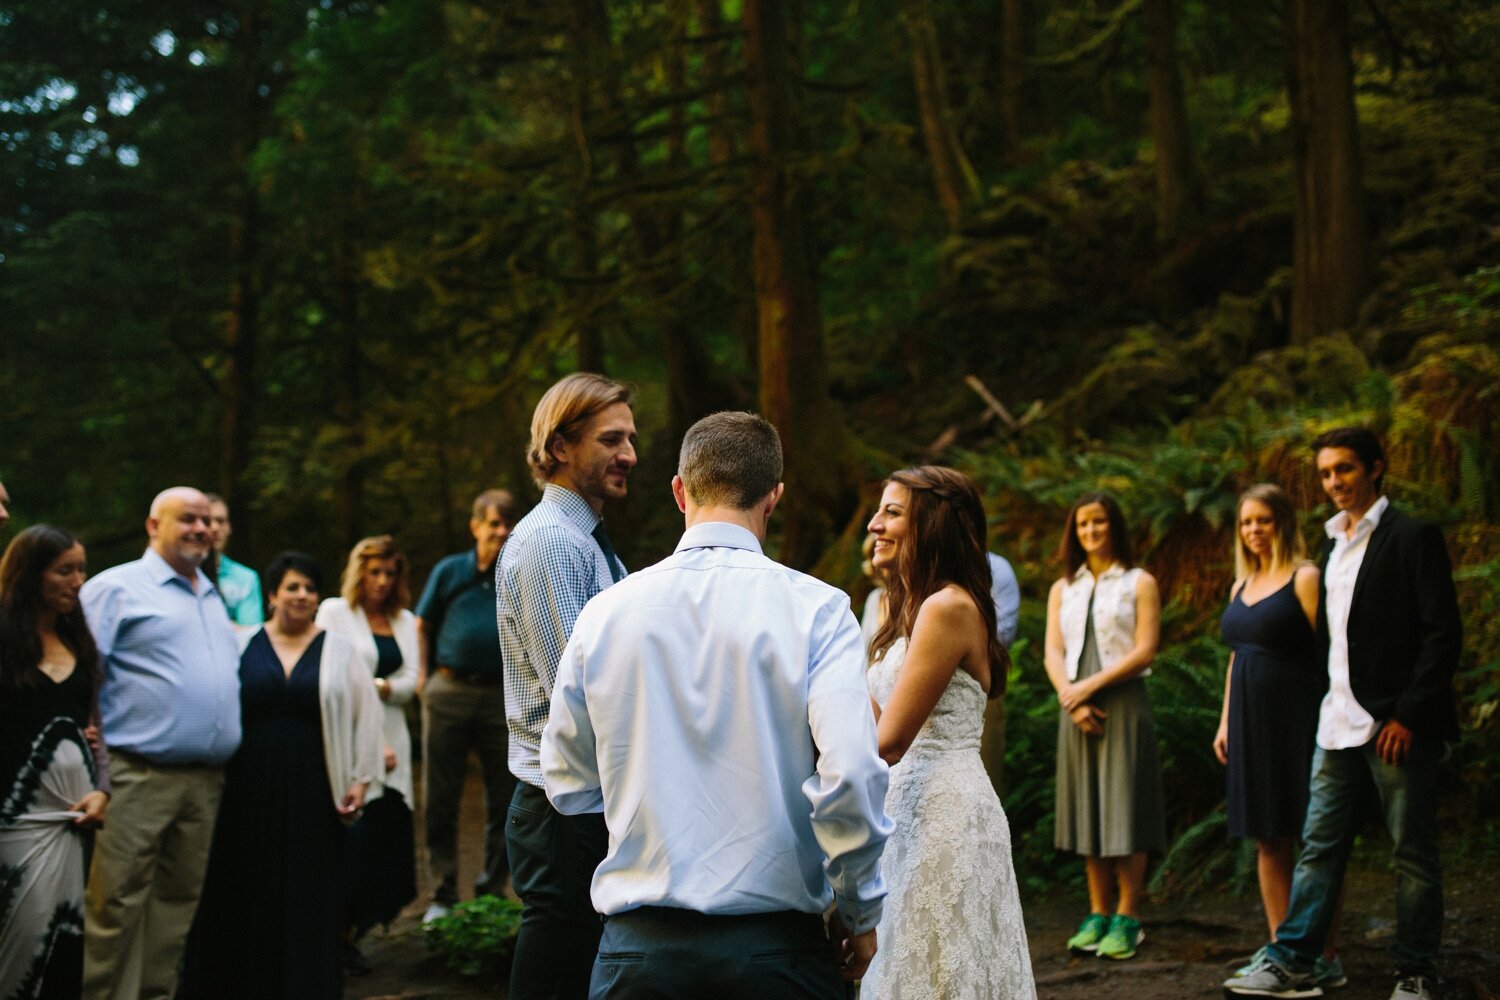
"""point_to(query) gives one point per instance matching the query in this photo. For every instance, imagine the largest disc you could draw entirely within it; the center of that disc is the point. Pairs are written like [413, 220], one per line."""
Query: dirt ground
[1191, 945]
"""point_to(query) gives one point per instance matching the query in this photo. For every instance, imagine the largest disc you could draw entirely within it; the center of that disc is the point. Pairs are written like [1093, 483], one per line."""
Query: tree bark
[1178, 195]
[793, 374]
[952, 173]
[350, 396]
[242, 315]
[720, 139]
[1330, 229]
[1012, 72]
[589, 46]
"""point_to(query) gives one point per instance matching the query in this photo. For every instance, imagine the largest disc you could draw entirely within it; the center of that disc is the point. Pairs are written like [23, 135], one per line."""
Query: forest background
[323, 257]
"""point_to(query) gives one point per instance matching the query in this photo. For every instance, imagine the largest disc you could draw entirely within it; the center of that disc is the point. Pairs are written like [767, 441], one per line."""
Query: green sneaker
[1329, 973]
[1090, 933]
[1124, 934]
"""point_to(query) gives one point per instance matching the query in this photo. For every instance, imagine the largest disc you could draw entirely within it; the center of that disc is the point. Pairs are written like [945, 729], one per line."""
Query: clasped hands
[1074, 699]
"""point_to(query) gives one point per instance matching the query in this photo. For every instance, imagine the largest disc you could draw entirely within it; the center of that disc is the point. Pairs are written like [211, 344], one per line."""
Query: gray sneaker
[1252, 962]
[1412, 988]
[1268, 979]
[1329, 973]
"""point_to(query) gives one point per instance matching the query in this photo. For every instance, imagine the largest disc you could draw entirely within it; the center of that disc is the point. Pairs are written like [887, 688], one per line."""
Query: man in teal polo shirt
[237, 583]
[463, 702]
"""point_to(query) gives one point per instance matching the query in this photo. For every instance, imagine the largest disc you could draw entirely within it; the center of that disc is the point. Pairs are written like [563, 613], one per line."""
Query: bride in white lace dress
[952, 927]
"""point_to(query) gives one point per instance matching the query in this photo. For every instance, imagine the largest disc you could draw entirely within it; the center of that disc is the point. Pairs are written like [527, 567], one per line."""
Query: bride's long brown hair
[945, 543]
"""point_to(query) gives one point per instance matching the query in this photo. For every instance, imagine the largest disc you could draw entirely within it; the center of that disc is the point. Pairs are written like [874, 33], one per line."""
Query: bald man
[170, 704]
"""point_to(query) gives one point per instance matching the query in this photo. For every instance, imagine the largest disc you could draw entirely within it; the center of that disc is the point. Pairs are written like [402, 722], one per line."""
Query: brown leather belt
[473, 680]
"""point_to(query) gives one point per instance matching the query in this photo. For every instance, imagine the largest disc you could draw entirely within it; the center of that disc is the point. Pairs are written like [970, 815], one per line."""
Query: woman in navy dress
[1272, 693]
[274, 902]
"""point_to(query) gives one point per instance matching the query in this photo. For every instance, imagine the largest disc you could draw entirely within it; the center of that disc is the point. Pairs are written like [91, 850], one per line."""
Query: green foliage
[478, 936]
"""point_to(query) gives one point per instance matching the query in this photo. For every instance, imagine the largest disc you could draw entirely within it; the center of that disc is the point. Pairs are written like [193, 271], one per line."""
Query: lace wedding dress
[951, 928]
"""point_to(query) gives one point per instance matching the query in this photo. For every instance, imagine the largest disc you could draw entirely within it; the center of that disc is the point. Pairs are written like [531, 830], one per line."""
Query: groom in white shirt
[714, 708]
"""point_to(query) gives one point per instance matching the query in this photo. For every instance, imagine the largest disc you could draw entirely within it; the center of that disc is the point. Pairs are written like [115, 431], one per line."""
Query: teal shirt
[240, 587]
[458, 608]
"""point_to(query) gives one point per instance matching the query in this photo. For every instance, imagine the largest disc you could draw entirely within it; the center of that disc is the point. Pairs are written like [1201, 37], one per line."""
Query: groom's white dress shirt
[714, 707]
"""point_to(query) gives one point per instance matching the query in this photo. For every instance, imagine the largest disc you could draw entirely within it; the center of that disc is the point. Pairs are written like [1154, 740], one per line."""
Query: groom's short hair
[730, 459]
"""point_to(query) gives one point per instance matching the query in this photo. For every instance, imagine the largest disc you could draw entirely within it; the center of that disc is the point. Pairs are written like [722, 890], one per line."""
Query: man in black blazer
[1388, 620]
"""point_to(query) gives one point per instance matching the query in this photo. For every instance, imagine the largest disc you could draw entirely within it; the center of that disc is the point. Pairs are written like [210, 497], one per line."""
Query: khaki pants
[458, 718]
[146, 876]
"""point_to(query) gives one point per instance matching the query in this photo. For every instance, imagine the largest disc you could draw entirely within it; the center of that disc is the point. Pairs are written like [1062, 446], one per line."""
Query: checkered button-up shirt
[546, 573]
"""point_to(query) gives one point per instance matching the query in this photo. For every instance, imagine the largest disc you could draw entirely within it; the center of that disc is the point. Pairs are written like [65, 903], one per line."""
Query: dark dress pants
[552, 862]
[655, 953]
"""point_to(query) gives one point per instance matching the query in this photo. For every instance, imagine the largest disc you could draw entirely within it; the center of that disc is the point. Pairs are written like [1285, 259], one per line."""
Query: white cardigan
[335, 615]
[351, 718]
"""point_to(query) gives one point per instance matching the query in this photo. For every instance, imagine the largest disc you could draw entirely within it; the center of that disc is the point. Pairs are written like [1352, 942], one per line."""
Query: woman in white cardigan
[275, 895]
[371, 612]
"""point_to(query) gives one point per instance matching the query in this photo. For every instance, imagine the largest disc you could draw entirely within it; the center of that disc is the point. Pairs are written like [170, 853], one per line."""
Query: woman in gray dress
[1103, 625]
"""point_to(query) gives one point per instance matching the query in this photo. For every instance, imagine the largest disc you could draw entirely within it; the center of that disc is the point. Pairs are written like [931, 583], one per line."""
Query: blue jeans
[1408, 800]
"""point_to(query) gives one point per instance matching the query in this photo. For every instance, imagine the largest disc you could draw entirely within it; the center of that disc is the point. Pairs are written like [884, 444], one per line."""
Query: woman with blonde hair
[371, 611]
[1272, 692]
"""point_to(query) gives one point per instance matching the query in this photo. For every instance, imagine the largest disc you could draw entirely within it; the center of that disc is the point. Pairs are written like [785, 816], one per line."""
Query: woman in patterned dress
[54, 779]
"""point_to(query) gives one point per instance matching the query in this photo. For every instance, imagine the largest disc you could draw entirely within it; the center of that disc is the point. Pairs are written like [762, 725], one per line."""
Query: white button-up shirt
[714, 707]
[1342, 720]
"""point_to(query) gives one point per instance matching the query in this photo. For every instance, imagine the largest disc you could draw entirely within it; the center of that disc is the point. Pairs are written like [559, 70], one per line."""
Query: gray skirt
[1109, 791]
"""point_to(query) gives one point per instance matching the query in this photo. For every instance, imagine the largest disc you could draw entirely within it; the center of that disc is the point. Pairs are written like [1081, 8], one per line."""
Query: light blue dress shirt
[1005, 591]
[550, 567]
[171, 690]
[714, 708]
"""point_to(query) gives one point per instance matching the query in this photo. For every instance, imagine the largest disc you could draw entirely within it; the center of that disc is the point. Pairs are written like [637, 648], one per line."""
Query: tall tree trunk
[1178, 196]
[242, 317]
[1330, 230]
[1012, 72]
[350, 396]
[793, 374]
[952, 173]
[720, 139]
[589, 33]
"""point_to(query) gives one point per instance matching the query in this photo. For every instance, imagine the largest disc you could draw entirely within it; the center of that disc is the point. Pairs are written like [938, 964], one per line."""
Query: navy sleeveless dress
[1274, 694]
[271, 918]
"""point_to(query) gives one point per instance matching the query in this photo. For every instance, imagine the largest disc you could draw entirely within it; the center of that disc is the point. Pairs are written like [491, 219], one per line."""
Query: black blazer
[1404, 628]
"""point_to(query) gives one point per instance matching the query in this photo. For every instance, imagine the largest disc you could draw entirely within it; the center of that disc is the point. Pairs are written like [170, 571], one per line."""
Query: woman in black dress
[1272, 692]
[271, 919]
[54, 781]
[371, 611]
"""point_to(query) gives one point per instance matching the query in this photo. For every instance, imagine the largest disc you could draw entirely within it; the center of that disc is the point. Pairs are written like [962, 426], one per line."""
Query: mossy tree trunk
[952, 173]
[1330, 229]
[793, 372]
[240, 387]
[1178, 194]
[1012, 72]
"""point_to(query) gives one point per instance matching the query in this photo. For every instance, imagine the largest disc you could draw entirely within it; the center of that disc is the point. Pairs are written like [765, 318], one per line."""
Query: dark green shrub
[478, 937]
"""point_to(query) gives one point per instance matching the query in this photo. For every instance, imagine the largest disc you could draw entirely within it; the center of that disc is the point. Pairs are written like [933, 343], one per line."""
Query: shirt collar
[719, 535]
[162, 572]
[574, 507]
[1337, 526]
